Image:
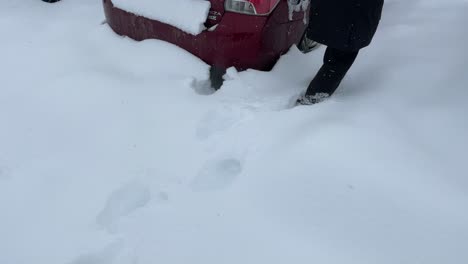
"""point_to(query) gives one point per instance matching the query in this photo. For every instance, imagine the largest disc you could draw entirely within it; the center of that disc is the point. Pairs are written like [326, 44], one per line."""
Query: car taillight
[251, 7]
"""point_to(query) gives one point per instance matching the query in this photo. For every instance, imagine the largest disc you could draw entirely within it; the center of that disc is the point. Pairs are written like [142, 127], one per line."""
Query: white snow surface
[116, 152]
[187, 15]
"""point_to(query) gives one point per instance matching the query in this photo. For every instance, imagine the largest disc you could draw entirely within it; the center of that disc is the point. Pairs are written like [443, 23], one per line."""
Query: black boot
[336, 64]
[312, 99]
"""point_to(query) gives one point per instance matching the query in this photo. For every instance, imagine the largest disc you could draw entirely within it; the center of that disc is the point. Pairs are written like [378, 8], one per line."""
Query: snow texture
[124, 201]
[187, 15]
[117, 152]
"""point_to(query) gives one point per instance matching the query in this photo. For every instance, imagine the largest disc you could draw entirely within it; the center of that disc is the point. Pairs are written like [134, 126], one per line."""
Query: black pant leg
[336, 64]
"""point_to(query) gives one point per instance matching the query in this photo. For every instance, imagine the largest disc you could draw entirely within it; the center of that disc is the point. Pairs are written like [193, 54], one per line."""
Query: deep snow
[113, 151]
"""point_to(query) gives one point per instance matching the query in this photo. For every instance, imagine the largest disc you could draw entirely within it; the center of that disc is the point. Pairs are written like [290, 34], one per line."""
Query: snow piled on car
[187, 15]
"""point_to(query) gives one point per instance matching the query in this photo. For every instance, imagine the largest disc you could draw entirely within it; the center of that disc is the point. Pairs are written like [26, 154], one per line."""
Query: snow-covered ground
[113, 152]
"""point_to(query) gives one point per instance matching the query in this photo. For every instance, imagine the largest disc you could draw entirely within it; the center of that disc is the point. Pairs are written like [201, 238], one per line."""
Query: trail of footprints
[215, 175]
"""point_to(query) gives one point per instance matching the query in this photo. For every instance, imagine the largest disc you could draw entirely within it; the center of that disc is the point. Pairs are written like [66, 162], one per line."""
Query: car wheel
[307, 45]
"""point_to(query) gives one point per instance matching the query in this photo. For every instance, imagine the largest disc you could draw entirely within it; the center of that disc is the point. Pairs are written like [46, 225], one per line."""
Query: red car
[241, 33]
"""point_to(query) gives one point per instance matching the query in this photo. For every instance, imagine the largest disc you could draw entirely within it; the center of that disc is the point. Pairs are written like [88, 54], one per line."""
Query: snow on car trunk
[187, 15]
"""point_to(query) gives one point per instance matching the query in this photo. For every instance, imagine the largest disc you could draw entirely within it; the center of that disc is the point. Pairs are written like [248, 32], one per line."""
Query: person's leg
[336, 64]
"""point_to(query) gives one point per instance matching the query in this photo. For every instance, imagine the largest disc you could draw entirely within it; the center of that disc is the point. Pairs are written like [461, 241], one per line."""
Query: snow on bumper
[187, 15]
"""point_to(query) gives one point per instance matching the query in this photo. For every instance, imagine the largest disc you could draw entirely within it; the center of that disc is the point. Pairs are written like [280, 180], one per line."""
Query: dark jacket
[348, 25]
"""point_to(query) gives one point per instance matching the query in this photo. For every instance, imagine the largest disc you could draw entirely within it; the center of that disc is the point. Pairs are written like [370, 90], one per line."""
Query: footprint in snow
[124, 201]
[220, 120]
[202, 87]
[114, 253]
[216, 175]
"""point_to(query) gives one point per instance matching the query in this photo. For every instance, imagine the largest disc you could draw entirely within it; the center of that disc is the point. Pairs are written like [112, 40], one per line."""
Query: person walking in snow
[345, 27]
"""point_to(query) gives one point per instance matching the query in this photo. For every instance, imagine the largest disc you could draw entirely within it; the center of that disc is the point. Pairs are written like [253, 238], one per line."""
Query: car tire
[307, 45]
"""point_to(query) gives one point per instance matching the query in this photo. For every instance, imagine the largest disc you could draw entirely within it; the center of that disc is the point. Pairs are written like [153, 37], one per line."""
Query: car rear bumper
[238, 40]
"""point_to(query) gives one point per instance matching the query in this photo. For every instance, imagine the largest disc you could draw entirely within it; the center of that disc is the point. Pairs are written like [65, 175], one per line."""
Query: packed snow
[187, 15]
[117, 152]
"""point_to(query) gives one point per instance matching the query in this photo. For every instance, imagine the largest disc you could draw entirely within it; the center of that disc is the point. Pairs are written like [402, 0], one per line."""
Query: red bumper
[241, 41]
